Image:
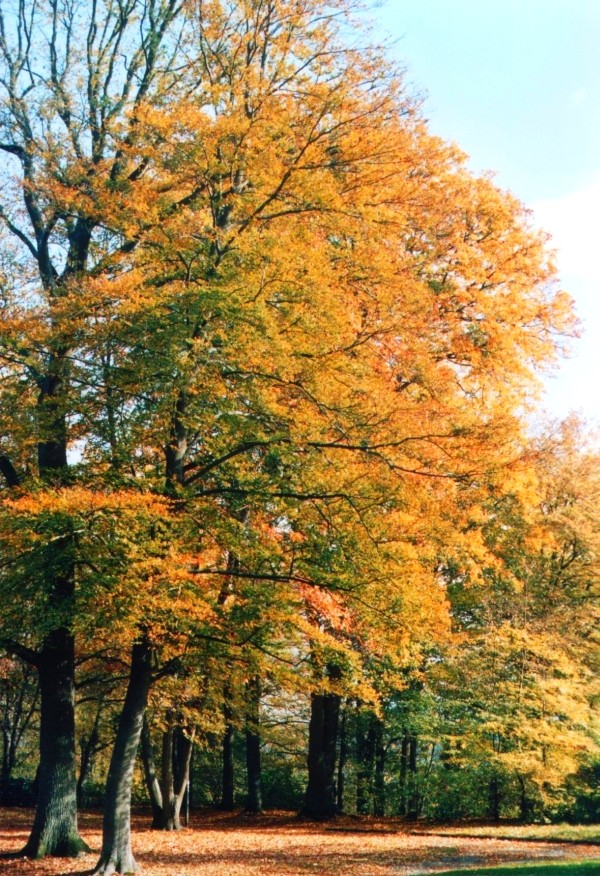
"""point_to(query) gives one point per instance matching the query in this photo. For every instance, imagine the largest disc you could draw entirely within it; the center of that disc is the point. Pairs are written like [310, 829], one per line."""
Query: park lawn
[582, 833]
[573, 868]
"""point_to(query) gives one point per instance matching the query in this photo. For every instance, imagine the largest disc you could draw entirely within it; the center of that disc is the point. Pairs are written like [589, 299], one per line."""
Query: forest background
[269, 505]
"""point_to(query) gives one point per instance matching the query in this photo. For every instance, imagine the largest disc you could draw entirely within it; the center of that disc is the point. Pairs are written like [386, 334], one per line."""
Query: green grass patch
[575, 868]
[589, 833]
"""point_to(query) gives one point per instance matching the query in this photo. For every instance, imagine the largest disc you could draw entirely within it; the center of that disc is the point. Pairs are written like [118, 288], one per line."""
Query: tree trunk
[54, 830]
[414, 801]
[342, 759]
[494, 799]
[152, 783]
[379, 773]
[89, 748]
[253, 765]
[365, 756]
[525, 803]
[227, 803]
[322, 743]
[116, 855]
[182, 764]
[18, 711]
[175, 771]
[403, 809]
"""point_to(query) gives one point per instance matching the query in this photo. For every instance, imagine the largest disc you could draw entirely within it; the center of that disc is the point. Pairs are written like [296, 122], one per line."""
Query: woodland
[279, 527]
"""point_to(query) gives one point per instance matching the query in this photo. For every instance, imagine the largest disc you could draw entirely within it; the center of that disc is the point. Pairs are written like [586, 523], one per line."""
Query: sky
[516, 84]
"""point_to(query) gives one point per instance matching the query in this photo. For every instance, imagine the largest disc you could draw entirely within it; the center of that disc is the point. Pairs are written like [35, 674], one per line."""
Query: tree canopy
[266, 345]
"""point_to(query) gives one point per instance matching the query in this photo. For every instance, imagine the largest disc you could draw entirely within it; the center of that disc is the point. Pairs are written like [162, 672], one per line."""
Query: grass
[576, 868]
[589, 833]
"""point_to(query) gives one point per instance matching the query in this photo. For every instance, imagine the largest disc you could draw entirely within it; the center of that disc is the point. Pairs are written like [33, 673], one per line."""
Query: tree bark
[227, 803]
[321, 800]
[253, 763]
[116, 855]
[494, 799]
[89, 748]
[379, 773]
[152, 782]
[365, 756]
[403, 808]
[413, 808]
[54, 830]
[342, 759]
[175, 771]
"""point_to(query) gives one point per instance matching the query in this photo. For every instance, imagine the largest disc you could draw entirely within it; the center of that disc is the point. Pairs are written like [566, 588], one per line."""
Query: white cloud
[574, 223]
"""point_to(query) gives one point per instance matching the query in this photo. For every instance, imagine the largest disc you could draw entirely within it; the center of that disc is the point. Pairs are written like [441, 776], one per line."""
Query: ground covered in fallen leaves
[281, 844]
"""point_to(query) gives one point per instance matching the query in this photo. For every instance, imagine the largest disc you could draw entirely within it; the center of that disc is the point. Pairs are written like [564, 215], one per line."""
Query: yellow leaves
[80, 500]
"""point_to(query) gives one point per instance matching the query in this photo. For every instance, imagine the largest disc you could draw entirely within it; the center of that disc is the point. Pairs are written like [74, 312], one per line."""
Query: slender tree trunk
[413, 803]
[365, 756]
[175, 771]
[116, 855]
[183, 751]
[342, 760]
[18, 712]
[253, 764]
[152, 783]
[525, 802]
[403, 772]
[54, 830]
[322, 744]
[167, 782]
[88, 750]
[14, 724]
[379, 772]
[227, 803]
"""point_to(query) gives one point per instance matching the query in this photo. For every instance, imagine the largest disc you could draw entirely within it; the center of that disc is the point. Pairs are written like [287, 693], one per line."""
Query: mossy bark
[55, 831]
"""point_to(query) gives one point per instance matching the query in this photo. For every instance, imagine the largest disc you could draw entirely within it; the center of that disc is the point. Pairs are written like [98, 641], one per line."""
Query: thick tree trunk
[526, 806]
[494, 799]
[54, 829]
[322, 744]
[116, 855]
[253, 764]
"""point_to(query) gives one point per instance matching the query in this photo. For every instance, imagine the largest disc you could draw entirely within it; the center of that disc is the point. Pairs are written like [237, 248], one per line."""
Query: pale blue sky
[516, 83]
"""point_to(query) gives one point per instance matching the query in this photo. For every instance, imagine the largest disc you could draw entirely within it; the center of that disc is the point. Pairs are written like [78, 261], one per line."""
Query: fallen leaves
[280, 844]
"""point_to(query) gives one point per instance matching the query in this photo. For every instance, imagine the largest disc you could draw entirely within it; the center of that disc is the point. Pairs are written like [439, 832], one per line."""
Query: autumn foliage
[267, 350]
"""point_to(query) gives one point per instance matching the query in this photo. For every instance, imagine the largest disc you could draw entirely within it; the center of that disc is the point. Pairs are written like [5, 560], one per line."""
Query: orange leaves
[270, 279]
[326, 607]
[80, 500]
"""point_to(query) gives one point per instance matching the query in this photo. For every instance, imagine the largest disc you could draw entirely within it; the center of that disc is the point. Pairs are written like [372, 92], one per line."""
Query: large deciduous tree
[239, 273]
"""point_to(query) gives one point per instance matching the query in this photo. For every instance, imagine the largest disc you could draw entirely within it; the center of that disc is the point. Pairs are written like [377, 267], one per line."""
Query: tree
[245, 278]
[518, 693]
